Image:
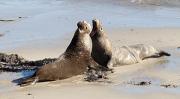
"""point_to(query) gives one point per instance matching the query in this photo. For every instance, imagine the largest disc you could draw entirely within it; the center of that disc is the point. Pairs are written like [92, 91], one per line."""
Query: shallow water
[163, 72]
[46, 21]
[6, 79]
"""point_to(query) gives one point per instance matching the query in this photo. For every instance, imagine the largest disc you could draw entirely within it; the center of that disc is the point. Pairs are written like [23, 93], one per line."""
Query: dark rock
[6, 20]
[15, 63]
[38, 62]
[169, 86]
[29, 94]
[178, 47]
[11, 59]
[141, 83]
[20, 17]
[94, 74]
[12, 68]
[11, 20]
[144, 83]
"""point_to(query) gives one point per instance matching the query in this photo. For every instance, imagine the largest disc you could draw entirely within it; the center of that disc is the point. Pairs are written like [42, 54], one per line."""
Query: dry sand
[158, 71]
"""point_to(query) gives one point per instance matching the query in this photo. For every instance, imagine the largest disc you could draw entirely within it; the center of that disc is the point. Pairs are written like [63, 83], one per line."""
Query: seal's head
[97, 27]
[81, 38]
[84, 26]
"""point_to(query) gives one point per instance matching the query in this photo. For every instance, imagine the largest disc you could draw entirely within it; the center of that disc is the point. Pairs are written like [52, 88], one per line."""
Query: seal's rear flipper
[157, 55]
[163, 53]
[28, 81]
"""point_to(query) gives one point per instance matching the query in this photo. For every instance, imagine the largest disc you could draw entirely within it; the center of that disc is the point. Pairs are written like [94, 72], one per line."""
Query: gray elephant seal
[74, 61]
[127, 55]
[101, 45]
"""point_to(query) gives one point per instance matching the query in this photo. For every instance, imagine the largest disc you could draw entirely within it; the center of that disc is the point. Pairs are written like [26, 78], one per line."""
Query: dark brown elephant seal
[101, 45]
[74, 61]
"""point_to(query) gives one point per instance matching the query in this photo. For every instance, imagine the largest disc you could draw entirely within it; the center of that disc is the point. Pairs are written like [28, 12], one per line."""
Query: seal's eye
[86, 28]
[101, 28]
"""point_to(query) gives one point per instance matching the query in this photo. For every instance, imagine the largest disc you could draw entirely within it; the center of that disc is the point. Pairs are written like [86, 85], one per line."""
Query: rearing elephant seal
[101, 46]
[73, 61]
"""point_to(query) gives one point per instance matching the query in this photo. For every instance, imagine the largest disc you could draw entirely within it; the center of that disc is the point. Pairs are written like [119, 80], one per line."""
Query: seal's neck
[87, 42]
[74, 41]
[97, 33]
[80, 42]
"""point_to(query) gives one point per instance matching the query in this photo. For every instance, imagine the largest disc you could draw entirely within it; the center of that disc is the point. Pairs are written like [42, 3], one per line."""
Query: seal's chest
[87, 42]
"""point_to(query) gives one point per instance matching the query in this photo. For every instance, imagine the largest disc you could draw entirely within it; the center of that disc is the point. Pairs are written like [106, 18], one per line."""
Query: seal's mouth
[89, 27]
[94, 23]
[92, 33]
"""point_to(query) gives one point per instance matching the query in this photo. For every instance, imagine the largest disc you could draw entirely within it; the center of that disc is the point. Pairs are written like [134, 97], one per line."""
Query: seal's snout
[88, 25]
[79, 25]
[84, 25]
[96, 22]
[85, 22]
[96, 26]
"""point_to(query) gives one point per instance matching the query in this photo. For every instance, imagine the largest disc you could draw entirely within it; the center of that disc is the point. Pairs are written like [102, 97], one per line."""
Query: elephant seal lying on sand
[74, 61]
[127, 55]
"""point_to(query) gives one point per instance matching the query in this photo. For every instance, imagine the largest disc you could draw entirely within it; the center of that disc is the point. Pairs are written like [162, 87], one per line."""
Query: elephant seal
[74, 61]
[127, 55]
[101, 45]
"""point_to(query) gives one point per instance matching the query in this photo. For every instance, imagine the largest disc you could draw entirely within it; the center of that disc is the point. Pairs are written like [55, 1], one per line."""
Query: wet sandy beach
[46, 28]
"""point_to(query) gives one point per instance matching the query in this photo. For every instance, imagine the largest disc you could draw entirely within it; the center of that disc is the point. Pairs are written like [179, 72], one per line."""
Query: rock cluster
[15, 63]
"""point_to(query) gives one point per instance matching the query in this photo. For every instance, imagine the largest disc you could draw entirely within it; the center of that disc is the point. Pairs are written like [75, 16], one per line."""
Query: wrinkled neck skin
[80, 42]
